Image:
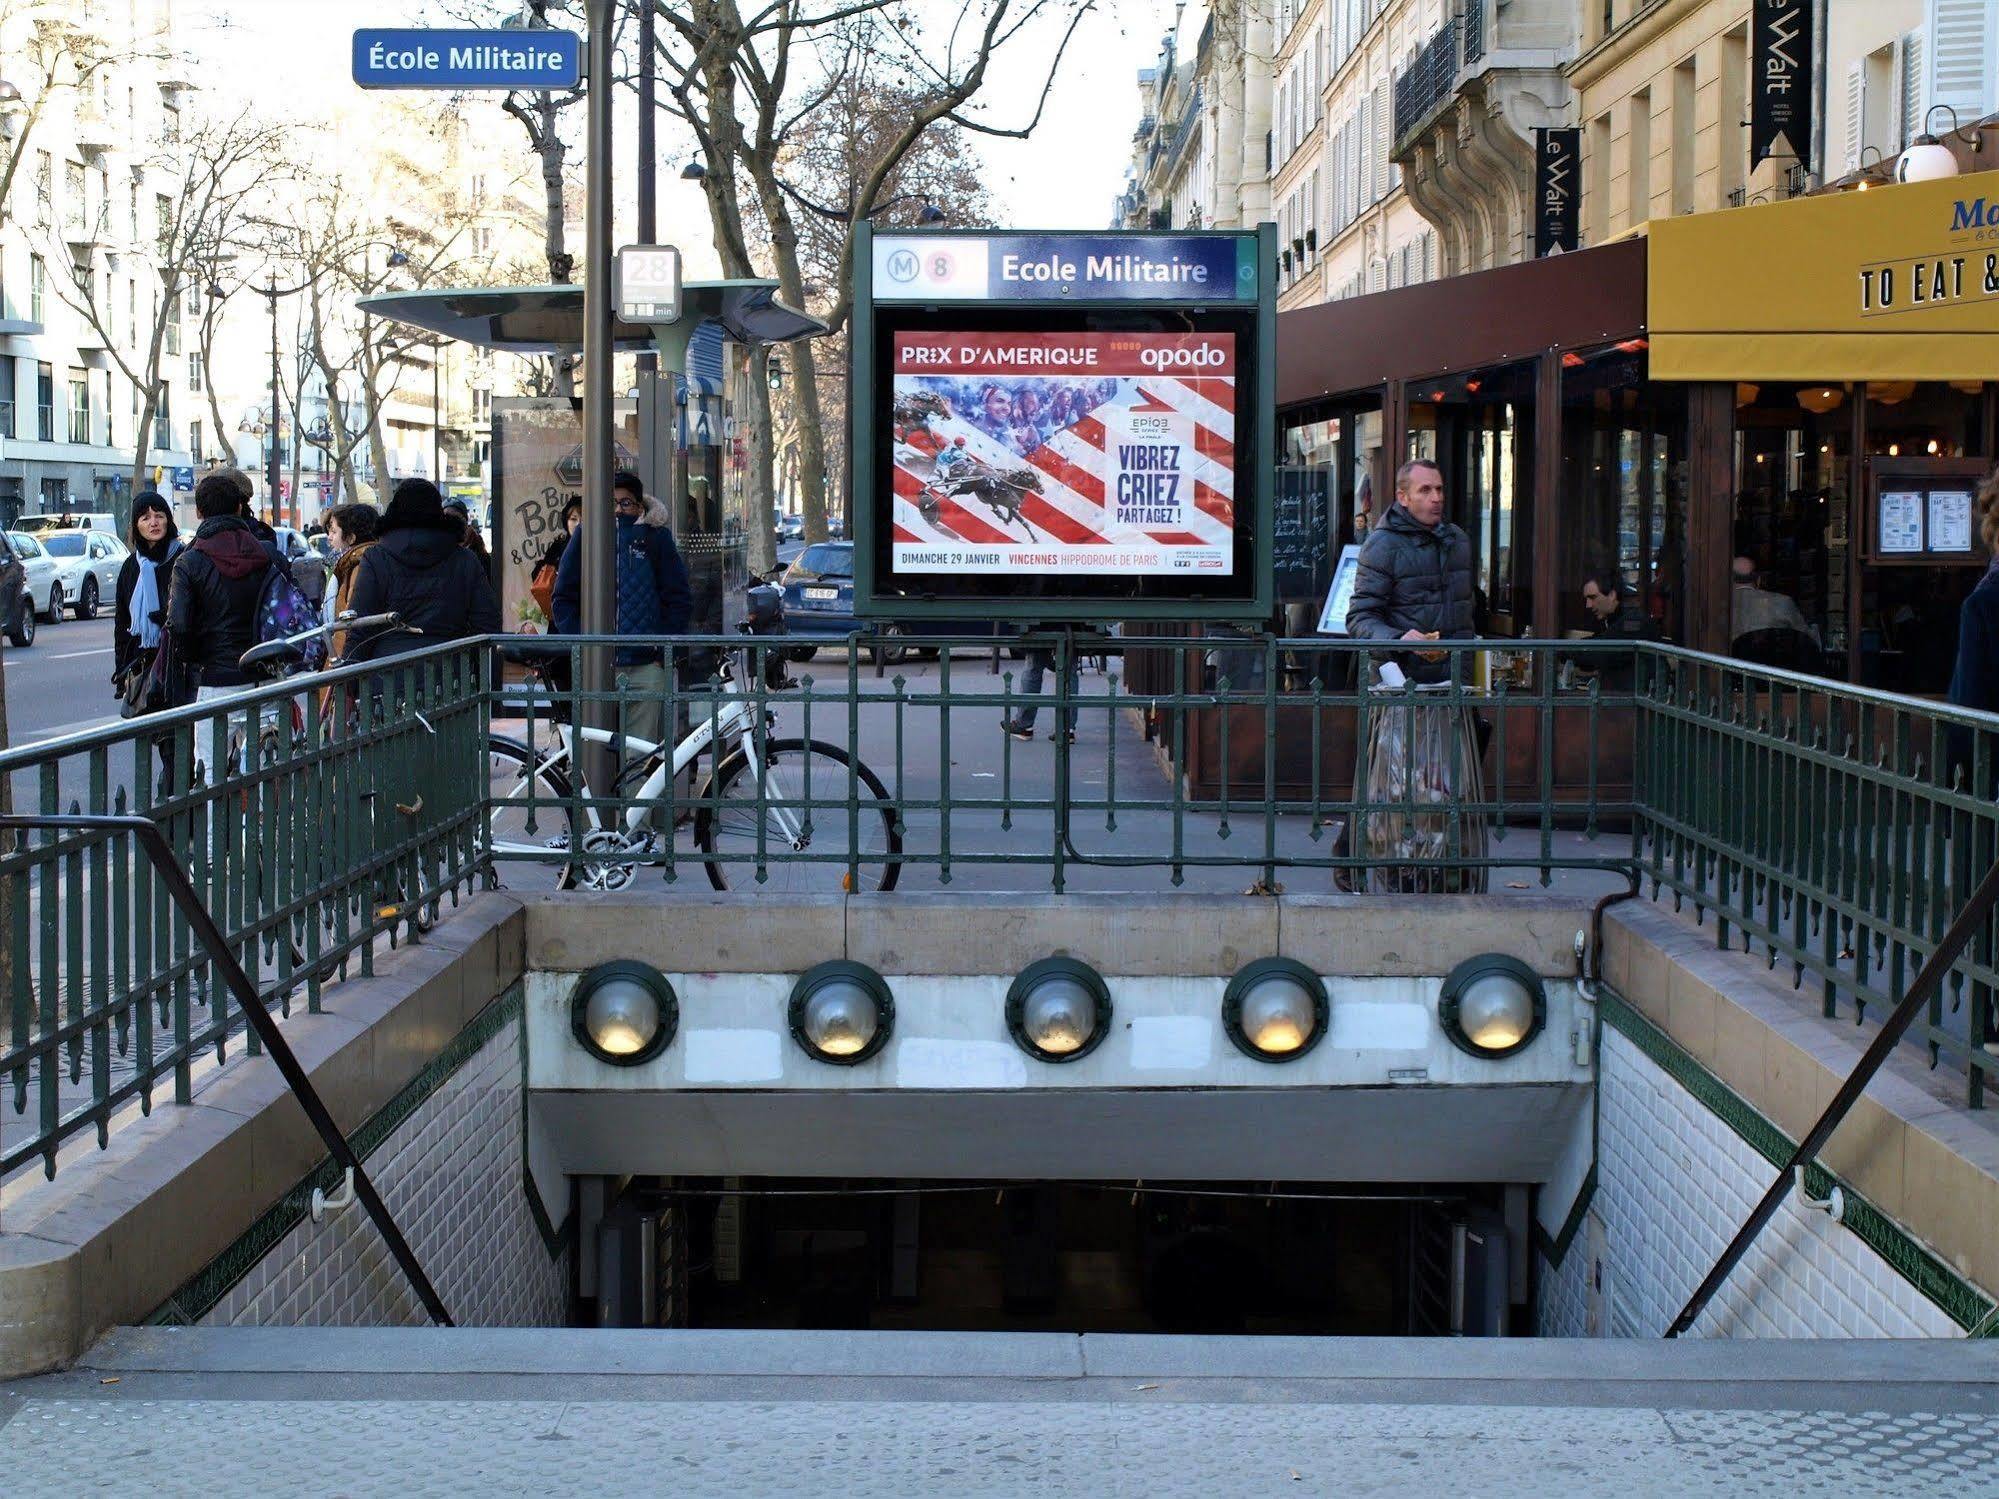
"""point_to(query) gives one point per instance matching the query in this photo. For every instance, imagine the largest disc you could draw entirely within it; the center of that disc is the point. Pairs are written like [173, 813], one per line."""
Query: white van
[67, 520]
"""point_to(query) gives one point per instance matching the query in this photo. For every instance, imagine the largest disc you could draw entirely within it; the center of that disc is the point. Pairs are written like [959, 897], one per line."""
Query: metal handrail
[1927, 982]
[181, 888]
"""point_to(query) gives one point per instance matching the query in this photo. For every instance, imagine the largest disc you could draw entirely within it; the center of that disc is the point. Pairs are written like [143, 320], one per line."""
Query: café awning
[1900, 282]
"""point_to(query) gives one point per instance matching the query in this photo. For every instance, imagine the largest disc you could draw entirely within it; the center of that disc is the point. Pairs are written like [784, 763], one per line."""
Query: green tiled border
[208, 1285]
[1956, 1297]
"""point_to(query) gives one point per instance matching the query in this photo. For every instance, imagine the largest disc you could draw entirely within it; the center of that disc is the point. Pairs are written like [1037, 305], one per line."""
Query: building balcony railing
[1422, 88]
[1472, 30]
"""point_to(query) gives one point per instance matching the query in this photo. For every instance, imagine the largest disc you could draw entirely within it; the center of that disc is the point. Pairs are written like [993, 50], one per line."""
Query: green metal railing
[1838, 830]
[311, 824]
[1834, 829]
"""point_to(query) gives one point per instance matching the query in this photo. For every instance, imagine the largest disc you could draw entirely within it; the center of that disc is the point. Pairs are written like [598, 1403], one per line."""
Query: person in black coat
[1414, 580]
[136, 631]
[417, 568]
[217, 583]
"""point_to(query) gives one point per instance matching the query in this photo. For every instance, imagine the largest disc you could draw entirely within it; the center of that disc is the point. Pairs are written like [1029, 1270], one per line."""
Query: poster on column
[1062, 455]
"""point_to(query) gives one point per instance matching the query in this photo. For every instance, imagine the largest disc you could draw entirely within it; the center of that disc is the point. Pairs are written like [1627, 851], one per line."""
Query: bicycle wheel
[521, 790]
[735, 805]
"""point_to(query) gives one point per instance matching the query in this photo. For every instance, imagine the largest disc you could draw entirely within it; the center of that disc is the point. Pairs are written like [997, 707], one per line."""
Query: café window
[1624, 488]
[1789, 541]
[1325, 488]
[1478, 428]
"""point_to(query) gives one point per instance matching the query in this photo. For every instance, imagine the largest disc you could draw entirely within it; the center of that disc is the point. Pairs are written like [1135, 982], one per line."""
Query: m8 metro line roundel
[1072, 453]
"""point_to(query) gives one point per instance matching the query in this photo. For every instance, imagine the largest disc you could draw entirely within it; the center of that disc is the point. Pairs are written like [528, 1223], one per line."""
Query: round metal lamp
[1492, 1006]
[1275, 1010]
[1058, 1009]
[624, 1013]
[841, 1012]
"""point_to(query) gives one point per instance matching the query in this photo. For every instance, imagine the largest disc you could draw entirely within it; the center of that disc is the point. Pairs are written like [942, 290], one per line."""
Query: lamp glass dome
[1059, 1015]
[1928, 160]
[1279, 1015]
[1496, 1011]
[622, 1016]
[840, 1018]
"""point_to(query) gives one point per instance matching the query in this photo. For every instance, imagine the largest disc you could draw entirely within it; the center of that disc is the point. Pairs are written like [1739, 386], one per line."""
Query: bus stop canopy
[546, 319]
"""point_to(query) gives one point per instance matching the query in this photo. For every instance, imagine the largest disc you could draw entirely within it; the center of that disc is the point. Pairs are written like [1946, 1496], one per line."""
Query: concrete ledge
[1910, 1145]
[571, 1352]
[986, 933]
[1364, 936]
[118, 1230]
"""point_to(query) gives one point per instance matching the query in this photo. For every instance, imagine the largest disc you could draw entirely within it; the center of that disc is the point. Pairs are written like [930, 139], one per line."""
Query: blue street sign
[401, 58]
[183, 477]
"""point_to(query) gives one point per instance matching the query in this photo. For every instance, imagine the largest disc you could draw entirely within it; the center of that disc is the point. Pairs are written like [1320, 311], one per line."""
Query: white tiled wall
[452, 1176]
[1673, 1184]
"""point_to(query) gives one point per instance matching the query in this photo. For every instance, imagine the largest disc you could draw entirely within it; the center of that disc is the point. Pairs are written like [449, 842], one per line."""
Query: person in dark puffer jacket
[653, 599]
[1414, 581]
[418, 569]
[217, 582]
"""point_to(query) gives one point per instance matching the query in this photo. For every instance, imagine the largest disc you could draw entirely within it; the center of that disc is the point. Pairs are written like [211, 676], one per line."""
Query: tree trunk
[142, 440]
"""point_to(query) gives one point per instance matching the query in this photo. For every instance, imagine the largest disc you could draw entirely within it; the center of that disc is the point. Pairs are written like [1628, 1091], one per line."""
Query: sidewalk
[326, 1411]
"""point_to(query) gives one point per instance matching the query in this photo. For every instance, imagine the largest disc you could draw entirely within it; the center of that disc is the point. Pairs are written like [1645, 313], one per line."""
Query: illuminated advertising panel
[1063, 426]
[1064, 454]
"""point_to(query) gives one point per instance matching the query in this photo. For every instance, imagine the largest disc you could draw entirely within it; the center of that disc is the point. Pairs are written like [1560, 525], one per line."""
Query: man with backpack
[217, 589]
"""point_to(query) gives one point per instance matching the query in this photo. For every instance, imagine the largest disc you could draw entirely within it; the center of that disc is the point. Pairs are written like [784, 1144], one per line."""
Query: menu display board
[1302, 530]
[1950, 520]
[1924, 511]
[1339, 598]
[1901, 522]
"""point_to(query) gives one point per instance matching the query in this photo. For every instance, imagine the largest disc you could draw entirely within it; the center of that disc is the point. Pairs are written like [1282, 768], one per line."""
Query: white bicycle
[794, 815]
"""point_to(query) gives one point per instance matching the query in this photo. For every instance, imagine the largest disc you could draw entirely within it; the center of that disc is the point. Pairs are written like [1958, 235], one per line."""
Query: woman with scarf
[138, 619]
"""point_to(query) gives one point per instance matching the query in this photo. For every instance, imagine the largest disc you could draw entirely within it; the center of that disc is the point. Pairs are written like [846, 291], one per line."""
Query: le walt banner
[1897, 283]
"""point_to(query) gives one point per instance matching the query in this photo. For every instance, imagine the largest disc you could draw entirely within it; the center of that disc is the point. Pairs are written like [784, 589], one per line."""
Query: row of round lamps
[1057, 1010]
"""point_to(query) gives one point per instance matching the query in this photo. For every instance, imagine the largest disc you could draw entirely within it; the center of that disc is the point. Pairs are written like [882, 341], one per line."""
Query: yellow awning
[1897, 283]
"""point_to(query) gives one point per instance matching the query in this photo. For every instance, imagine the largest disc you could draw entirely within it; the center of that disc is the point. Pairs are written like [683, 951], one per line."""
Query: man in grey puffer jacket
[1414, 581]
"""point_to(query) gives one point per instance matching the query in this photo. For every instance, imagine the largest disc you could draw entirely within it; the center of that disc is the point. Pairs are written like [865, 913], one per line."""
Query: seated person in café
[1768, 627]
[1613, 616]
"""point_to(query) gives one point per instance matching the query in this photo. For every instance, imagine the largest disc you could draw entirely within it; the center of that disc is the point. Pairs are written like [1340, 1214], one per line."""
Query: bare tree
[745, 85]
[211, 172]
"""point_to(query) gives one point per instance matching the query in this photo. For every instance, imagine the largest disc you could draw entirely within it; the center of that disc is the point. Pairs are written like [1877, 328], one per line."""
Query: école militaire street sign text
[403, 58]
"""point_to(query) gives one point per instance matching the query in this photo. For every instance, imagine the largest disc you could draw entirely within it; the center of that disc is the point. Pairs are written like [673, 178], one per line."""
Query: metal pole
[271, 474]
[648, 145]
[599, 581]
[437, 414]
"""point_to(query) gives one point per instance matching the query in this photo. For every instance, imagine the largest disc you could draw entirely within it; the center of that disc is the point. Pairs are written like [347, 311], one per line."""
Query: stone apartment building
[91, 99]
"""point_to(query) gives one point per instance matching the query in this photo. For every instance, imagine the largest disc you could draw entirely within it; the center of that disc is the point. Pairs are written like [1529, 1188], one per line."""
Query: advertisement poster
[1064, 454]
[537, 468]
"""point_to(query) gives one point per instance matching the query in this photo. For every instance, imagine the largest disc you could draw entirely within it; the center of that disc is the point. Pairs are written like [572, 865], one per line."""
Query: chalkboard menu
[1303, 531]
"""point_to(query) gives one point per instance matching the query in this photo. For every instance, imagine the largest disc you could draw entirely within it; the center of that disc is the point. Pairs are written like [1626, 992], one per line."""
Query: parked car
[818, 590]
[41, 576]
[17, 607]
[791, 528]
[66, 520]
[87, 564]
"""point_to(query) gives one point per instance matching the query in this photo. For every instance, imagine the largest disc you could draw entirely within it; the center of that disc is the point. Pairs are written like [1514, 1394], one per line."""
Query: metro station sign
[938, 267]
[392, 57]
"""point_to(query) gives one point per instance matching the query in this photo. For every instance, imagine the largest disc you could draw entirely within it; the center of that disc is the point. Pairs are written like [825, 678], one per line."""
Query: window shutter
[1856, 116]
[1389, 175]
[1911, 73]
[1964, 37]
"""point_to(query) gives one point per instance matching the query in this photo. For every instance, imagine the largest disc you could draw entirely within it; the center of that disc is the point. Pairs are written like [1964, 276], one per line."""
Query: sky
[294, 54]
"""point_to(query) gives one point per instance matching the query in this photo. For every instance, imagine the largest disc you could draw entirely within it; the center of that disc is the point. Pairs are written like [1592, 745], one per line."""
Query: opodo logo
[1202, 357]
